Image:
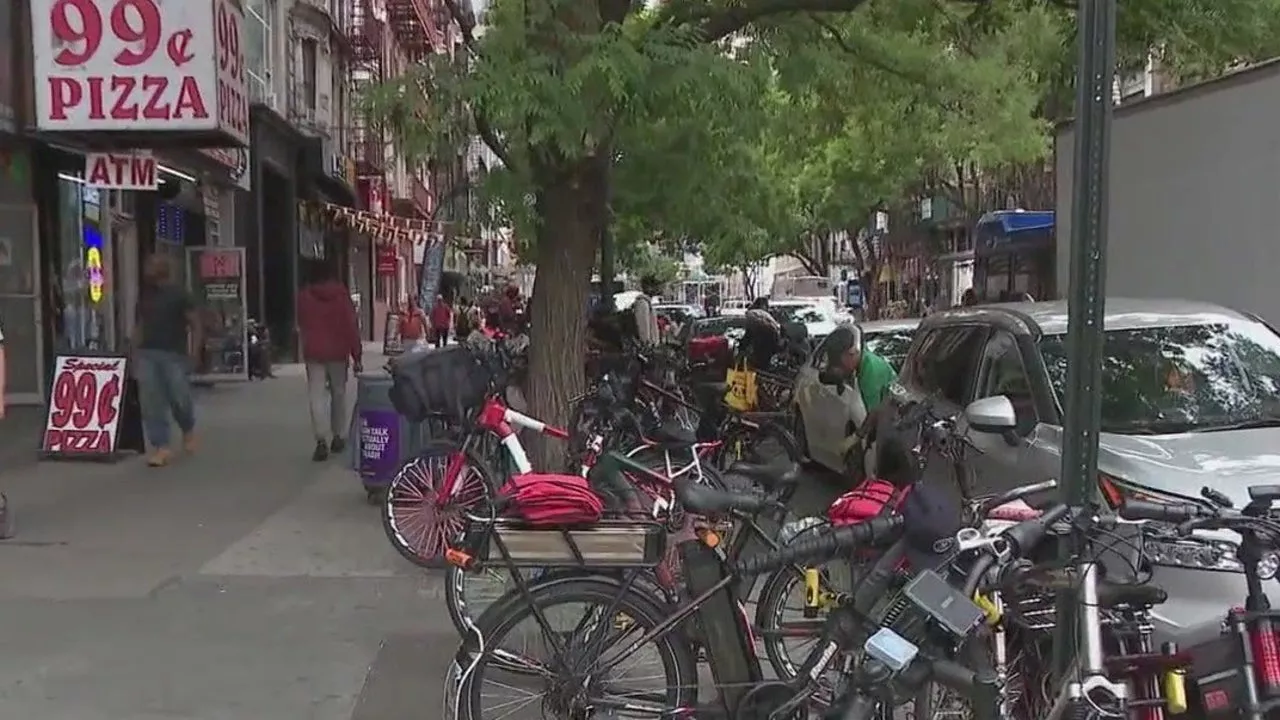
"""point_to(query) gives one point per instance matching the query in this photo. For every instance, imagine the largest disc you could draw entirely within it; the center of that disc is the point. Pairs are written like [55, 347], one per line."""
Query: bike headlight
[1193, 553]
[1269, 565]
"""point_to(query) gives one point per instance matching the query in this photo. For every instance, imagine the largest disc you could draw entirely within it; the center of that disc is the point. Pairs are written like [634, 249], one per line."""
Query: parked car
[678, 314]
[816, 318]
[1190, 398]
[890, 339]
[731, 326]
[826, 417]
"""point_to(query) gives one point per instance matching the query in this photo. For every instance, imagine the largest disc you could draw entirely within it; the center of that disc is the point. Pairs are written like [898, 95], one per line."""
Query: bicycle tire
[678, 662]
[770, 606]
[464, 605]
[435, 450]
[747, 443]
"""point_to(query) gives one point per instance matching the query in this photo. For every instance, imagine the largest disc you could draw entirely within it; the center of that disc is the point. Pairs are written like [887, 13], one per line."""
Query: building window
[258, 47]
[309, 74]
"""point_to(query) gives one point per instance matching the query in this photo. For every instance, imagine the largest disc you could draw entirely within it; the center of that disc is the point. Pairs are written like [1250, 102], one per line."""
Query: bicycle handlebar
[826, 546]
[1165, 512]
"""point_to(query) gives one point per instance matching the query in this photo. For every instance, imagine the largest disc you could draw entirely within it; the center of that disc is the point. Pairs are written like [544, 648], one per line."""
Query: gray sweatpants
[327, 384]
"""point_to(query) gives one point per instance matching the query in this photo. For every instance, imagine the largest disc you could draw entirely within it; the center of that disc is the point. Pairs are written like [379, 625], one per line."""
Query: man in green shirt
[849, 362]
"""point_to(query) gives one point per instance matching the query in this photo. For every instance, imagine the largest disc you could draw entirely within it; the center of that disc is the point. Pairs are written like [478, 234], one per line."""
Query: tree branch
[835, 36]
[490, 137]
[467, 25]
[454, 193]
[718, 23]
[810, 265]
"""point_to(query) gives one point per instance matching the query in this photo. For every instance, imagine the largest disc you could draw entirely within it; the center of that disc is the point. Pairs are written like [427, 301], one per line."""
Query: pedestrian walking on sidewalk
[413, 331]
[330, 337]
[167, 338]
[441, 319]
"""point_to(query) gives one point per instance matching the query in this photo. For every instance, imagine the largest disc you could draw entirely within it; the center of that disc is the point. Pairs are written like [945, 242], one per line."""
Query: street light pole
[1087, 287]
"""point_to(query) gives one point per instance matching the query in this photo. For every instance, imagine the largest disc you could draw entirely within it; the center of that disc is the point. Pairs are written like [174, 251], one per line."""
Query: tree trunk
[570, 210]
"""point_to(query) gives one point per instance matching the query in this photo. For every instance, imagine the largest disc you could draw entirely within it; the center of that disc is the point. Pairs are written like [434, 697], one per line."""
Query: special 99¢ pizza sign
[85, 404]
[140, 65]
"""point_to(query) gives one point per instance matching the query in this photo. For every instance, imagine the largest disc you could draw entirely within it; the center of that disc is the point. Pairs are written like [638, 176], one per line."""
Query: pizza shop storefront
[93, 235]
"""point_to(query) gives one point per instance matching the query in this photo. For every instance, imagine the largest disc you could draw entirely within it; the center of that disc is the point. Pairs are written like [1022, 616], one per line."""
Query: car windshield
[708, 328]
[891, 345]
[1182, 378]
[804, 314]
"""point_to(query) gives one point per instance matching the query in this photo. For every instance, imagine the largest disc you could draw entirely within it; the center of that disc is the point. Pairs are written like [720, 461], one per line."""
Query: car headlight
[1194, 553]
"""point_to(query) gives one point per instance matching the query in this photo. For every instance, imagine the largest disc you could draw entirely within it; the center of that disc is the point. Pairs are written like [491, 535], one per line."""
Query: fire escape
[365, 70]
[418, 30]
[416, 26]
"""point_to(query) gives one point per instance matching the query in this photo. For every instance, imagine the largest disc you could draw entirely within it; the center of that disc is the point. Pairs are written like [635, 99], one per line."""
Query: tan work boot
[159, 457]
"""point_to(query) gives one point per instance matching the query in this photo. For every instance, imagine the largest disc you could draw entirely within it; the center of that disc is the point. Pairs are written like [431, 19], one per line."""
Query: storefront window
[83, 289]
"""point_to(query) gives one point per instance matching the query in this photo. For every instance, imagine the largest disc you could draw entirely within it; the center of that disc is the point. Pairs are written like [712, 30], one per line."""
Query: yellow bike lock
[812, 592]
[1174, 685]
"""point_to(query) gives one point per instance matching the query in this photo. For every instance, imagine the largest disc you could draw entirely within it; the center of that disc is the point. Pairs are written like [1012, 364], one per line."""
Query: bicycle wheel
[562, 677]
[789, 637]
[469, 593]
[769, 443]
[418, 526]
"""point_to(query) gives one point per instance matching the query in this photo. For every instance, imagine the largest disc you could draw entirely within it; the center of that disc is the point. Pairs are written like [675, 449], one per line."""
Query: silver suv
[1190, 397]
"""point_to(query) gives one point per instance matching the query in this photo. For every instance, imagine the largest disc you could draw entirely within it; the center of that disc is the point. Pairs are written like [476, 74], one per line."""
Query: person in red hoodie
[441, 319]
[330, 338]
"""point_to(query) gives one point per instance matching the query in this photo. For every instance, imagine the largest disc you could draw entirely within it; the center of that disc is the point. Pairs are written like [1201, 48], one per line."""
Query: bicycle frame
[499, 420]
[710, 539]
[504, 423]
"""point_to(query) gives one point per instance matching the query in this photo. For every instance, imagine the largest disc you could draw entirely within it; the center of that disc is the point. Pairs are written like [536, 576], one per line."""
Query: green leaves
[811, 114]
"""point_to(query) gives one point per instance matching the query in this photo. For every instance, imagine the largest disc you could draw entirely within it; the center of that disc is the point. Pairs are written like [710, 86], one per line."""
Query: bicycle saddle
[770, 476]
[672, 435]
[706, 500]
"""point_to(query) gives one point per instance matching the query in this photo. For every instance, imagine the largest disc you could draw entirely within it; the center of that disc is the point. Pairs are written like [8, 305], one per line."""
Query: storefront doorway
[279, 256]
[19, 302]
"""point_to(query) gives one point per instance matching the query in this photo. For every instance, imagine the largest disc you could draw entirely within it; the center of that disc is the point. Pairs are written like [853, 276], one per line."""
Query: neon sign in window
[93, 263]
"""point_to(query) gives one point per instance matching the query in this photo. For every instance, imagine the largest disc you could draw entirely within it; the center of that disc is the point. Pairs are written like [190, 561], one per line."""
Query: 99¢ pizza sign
[140, 65]
[84, 406]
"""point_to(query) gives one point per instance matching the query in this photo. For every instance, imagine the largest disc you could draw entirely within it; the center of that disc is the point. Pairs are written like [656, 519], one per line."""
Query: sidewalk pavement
[244, 581]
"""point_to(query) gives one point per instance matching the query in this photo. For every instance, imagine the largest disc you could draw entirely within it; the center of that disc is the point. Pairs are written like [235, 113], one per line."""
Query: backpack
[869, 499]
[552, 500]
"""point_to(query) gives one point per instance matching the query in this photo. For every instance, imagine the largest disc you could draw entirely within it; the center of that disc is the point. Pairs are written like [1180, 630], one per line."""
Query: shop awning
[1011, 222]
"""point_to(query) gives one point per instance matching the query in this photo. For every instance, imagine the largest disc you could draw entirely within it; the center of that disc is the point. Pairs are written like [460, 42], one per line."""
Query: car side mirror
[993, 415]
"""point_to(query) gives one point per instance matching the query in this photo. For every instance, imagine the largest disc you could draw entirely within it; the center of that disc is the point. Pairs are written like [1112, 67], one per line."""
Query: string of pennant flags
[384, 229]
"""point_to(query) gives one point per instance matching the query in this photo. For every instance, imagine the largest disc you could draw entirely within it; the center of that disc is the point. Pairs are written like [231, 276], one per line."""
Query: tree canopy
[752, 126]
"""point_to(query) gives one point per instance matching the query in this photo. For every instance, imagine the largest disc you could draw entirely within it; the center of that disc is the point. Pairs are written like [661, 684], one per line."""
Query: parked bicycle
[1238, 675]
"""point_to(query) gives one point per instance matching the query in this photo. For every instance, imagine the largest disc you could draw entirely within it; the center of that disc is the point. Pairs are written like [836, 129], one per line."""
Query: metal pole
[1087, 287]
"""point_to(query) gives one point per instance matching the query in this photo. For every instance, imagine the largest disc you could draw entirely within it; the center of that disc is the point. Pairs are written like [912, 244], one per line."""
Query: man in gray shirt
[642, 308]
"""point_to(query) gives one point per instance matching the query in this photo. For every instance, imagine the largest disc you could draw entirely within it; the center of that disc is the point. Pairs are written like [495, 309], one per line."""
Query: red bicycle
[428, 499]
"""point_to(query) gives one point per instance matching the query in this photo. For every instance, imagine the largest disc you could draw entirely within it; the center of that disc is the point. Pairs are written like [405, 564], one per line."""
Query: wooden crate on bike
[609, 543]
